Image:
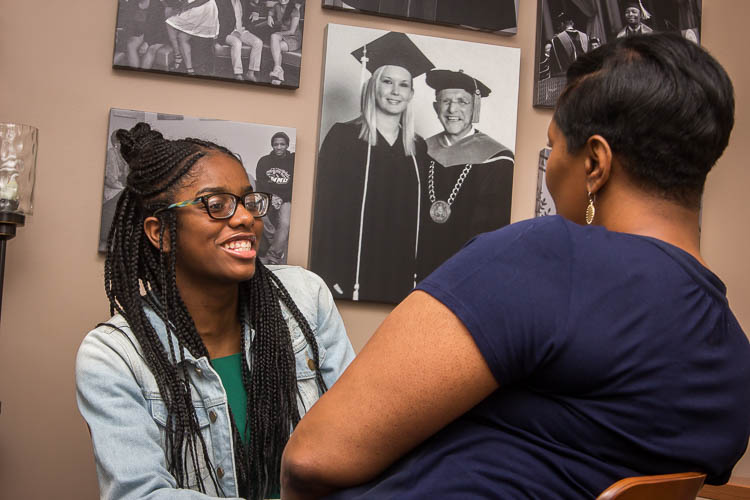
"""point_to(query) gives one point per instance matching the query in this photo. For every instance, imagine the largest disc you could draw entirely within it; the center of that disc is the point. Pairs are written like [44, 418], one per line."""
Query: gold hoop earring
[590, 210]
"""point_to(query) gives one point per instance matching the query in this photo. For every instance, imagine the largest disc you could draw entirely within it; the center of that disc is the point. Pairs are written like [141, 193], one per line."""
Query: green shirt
[229, 369]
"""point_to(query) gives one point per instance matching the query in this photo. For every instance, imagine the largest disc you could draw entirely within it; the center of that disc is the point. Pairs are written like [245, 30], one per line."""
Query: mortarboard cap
[635, 4]
[394, 49]
[441, 79]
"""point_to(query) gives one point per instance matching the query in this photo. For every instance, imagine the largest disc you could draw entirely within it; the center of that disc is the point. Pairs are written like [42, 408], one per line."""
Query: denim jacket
[119, 399]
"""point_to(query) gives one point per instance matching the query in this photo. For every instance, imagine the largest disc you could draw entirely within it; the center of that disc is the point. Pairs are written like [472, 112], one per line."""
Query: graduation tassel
[646, 15]
[363, 70]
[477, 103]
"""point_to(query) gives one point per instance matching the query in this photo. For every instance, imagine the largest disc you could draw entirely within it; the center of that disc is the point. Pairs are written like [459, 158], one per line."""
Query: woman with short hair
[557, 355]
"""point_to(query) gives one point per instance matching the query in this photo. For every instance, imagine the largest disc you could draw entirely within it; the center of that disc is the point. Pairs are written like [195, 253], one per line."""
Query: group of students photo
[546, 359]
[247, 40]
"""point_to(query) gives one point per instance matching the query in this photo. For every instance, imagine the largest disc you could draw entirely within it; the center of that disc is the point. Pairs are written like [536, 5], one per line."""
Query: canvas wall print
[417, 141]
[545, 205]
[568, 28]
[266, 152]
[497, 16]
[250, 41]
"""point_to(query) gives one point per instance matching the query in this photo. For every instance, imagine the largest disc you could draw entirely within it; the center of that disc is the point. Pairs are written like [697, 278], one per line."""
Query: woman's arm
[270, 18]
[130, 461]
[294, 22]
[419, 372]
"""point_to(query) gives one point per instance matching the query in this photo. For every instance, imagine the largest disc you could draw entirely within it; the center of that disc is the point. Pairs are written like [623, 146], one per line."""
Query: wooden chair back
[683, 486]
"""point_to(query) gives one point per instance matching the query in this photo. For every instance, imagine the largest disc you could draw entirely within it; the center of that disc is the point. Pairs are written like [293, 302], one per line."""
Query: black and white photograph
[568, 28]
[417, 141]
[496, 16]
[545, 205]
[266, 152]
[251, 41]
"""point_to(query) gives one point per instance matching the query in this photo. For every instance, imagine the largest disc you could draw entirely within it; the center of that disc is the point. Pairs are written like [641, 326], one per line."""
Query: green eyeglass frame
[222, 206]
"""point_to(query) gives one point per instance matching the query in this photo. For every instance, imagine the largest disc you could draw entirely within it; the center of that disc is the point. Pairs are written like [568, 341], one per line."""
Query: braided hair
[158, 168]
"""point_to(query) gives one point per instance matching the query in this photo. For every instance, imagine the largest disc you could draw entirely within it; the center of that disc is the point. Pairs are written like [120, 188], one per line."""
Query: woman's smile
[217, 251]
[394, 90]
[241, 245]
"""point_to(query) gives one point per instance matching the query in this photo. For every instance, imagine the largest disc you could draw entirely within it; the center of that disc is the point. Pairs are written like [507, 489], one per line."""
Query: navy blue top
[617, 355]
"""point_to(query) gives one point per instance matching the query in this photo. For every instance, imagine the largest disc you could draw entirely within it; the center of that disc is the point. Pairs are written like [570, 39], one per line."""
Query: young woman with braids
[192, 388]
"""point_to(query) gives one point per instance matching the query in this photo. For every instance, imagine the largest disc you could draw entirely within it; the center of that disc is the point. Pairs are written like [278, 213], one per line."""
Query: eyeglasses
[460, 102]
[224, 205]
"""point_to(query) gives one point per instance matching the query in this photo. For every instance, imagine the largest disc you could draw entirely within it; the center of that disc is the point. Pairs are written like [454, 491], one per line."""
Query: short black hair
[663, 103]
[280, 135]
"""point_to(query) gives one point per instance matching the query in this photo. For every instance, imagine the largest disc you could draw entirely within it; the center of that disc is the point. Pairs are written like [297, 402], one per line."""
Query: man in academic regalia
[469, 174]
[567, 45]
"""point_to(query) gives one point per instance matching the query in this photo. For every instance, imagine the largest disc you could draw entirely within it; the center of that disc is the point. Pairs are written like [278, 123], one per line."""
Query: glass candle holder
[18, 148]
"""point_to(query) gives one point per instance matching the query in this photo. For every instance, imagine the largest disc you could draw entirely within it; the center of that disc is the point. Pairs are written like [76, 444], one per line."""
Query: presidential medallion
[440, 211]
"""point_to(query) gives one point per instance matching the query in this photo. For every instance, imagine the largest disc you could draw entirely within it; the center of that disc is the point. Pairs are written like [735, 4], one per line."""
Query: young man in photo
[274, 175]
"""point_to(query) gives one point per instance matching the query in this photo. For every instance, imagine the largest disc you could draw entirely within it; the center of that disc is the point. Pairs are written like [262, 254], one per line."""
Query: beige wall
[55, 61]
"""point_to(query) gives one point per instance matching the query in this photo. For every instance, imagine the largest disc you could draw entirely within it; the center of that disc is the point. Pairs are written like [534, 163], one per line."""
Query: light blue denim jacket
[119, 399]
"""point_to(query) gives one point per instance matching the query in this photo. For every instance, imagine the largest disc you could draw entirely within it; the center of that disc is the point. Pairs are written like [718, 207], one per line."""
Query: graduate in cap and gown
[634, 14]
[567, 45]
[469, 174]
[369, 182]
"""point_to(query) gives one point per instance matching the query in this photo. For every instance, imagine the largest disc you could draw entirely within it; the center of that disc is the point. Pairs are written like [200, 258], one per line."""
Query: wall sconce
[18, 147]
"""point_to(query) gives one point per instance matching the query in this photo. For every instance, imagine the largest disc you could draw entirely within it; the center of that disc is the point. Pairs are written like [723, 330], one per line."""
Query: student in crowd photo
[145, 31]
[211, 358]
[234, 17]
[633, 21]
[558, 355]
[568, 44]
[286, 18]
[275, 175]
[194, 20]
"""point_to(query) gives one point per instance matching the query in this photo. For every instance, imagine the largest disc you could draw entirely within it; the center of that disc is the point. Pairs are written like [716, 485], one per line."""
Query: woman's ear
[598, 163]
[152, 228]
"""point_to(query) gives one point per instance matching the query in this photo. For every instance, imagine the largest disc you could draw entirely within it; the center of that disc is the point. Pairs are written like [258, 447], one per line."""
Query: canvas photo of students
[248, 41]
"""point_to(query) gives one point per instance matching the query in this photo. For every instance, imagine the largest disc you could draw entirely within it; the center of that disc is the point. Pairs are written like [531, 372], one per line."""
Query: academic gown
[389, 228]
[482, 203]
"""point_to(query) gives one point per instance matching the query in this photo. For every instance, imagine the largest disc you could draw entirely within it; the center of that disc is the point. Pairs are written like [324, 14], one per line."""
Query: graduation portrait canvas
[266, 152]
[497, 16]
[417, 140]
[568, 28]
[247, 41]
